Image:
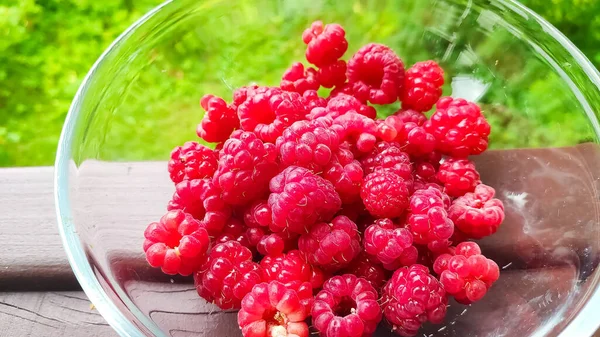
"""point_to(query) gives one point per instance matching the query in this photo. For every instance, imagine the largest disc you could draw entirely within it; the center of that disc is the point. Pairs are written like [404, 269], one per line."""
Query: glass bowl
[140, 100]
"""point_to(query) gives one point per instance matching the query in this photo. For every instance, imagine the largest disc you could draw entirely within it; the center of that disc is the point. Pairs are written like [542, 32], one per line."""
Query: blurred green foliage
[46, 48]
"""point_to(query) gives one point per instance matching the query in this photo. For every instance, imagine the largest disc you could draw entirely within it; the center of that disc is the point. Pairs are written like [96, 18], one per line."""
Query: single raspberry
[201, 199]
[177, 243]
[234, 230]
[390, 245]
[272, 310]
[268, 112]
[245, 167]
[241, 94]
[477, 214]
[422, 86]
[309, 144]
[299, 199]
[258, 214]
[333, 245]
[359, 131]
[388, 156]
[412, 297]
[332, 74]
[299, 80]
[467, 275]
[385, 194]
[192, 161]
[414, 139]
[227, 275]
[293, 270]
[376, 74]
[346, 175]
[218, 122]
[411, 116]
[428, 222]
[367, 267]
[347, 306]
[326, 44]
[341, 105]
[313, 100]
[459, 128]
[459, 176]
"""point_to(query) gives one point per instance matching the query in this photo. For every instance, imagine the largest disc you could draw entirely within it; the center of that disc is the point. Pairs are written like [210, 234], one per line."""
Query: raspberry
[344, 89]
[227, 275]
[176, 244]
[414, 139]
[385, 194]
[268, 112]
[234, 230]
[312, 100]
[347, 306]
[477, 214]
[390, 245]
[219, 120]
[272, 310]
[309, 144]
[467, 275]
[412, 297]
[368, 268]
[376, 74]
[240, 95]
[192, 161]
[459, 176]
[299, 199]
[359, 131]
[299, 80]
[346, 175]
[422, 85]
[411, 116]
[341, 105]
[429, 222]
[331, 246]
[201, 199]
[245, 167]
[459, 128]
[258, 214]
[325, 44]
[425, 173]
[388, 156]
[293, 271]
[272, 244]
[332, 74]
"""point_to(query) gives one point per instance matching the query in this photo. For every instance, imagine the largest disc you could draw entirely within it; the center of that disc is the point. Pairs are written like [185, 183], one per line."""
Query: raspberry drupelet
[245, 167]
[332, 74]
[218, 122]
[293, 270]
[459, 176]
[390, 245]
[234, 230]
[272, 310]
[412, 137]
[477, 214]
[202, 199]
[241, 94]
[385, 194]
[412, 297]
[429, 222]
[325, 44]
[359, 131]
[277, 243]
[258, 214]
[388, 156]
[333, 245]
[177, 243]
[299, 80]
[467, 275]
[299, 198]
[367, 267]
[347, 306]
[192, 161]
[227, 275]
[313, 100]
[346, 175]
[376, 74]
[422, 86]
[411, 116]
[459, 128]
[341, 105]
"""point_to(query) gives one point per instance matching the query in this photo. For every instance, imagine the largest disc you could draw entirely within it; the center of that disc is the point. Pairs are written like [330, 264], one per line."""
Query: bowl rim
[584, 323]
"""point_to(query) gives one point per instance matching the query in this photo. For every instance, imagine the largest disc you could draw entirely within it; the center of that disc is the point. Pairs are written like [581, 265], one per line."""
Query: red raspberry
[331, 246]
[332, 74]
[227, 275]
[201, 199]
[388, 156]
[467, 275]
[258, 214]
[347, 306]
[299, 199]
[309, 144]
[241, 94]
[425, 174]
[293, 271]
[268, 112]
[477, 214]
[234, 230]
[299, 80]
[411, 116]
[272, 310]
[254, 235]
[245, 167]
[343, 89]
[177, 243]
[325, 44]
[359, 131]
[429, 222]
[459, 176]
[412, 297]
[341, 105]
[459, 128]
[312, 100]
[346, 175]
[277, 243]
[376, 74]
[414, 139]
[422, 86]
[390, 245]
[367, 267]
[192, 161]
[385, 194]
[219, 120]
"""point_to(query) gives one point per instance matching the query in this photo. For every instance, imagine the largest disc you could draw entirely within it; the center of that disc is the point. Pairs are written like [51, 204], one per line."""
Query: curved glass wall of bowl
[538, 92]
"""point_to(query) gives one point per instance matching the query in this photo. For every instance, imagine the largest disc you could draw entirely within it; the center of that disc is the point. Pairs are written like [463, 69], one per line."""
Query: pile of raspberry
[310, 215]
